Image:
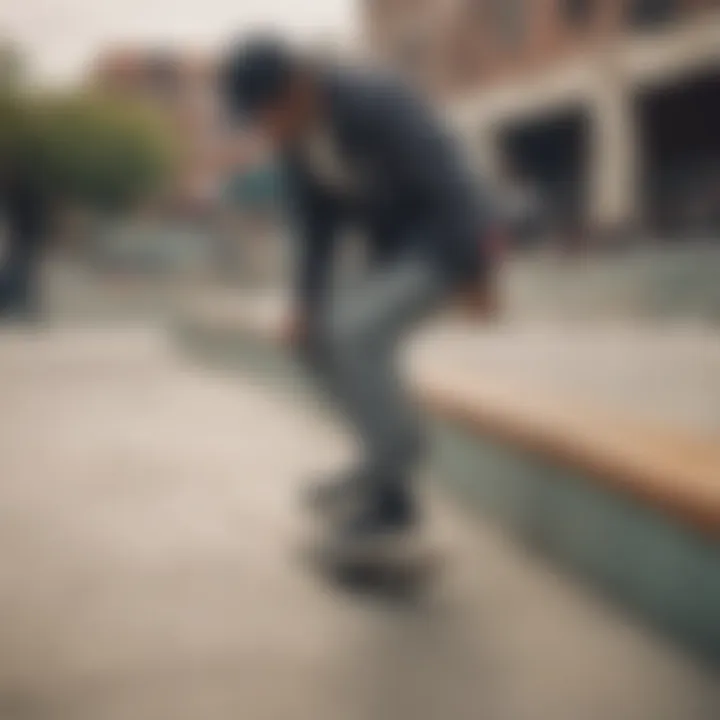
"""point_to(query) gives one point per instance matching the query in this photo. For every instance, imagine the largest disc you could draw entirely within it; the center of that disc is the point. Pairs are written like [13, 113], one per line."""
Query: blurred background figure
[25, 209]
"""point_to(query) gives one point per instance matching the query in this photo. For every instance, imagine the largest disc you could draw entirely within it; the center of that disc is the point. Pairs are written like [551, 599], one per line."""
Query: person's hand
[479, 303]
[294, 330]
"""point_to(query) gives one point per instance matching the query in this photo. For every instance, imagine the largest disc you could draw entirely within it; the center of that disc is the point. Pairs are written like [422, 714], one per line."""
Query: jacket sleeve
[313, 224]
[427, 163]
[418, 149]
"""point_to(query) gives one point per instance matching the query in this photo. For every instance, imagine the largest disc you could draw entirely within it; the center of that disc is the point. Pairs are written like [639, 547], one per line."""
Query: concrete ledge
[634, 509]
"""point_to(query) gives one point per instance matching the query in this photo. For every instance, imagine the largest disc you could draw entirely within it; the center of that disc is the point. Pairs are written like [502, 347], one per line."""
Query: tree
[12, 67]
[86, 148]
[100, 151]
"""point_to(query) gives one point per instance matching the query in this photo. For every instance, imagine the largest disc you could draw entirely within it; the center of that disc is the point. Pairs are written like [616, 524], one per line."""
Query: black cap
[254, 74]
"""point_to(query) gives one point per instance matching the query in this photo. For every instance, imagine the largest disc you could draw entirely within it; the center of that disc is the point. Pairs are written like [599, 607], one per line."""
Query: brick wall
[460, 45]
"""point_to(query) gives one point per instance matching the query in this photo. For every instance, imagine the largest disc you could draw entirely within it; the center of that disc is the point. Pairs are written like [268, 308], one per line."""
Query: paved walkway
[148, 532]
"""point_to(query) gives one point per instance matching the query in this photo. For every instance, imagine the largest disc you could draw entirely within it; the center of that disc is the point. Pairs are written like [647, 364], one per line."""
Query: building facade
[609, 107]
[180, 86]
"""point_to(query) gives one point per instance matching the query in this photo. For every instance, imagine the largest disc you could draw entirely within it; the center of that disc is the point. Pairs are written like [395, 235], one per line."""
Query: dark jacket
[417, 194]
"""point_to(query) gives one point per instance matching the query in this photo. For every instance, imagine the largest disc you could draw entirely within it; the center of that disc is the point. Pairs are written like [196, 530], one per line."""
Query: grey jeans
[353, 353]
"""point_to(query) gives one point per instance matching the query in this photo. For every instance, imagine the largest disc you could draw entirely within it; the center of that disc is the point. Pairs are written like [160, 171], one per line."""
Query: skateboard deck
[398, 572]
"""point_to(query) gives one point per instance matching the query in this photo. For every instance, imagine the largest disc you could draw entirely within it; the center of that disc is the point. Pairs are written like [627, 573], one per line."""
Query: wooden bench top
[677, 473]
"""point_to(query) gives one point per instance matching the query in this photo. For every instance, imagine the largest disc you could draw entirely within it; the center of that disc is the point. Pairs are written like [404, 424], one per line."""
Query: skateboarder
[360, 149]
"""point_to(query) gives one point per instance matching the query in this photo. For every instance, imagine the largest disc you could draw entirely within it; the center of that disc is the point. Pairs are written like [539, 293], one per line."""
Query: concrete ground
[148, 570]
[665, 375]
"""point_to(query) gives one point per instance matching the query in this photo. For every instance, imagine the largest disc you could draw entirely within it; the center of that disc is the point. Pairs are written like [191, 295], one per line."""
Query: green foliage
[12, 66]
[87, 148]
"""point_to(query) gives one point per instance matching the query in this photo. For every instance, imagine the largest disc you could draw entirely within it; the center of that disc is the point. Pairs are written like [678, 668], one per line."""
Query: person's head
[265, 86]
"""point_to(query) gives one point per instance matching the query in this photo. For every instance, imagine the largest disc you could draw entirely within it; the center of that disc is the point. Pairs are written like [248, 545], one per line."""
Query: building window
[648, 13]
[578, 12]
[508, 20]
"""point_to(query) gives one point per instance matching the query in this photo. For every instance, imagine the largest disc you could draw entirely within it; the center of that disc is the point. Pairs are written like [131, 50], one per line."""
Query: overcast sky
[60, 36]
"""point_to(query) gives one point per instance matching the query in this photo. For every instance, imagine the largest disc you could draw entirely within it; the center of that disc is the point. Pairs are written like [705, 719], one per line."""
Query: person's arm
[313, 225]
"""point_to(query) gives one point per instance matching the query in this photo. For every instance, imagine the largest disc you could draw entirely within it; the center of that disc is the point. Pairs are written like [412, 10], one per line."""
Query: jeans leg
[360, 340]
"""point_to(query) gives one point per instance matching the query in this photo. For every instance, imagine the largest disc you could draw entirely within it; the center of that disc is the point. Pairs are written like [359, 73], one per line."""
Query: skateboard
[400, 570]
